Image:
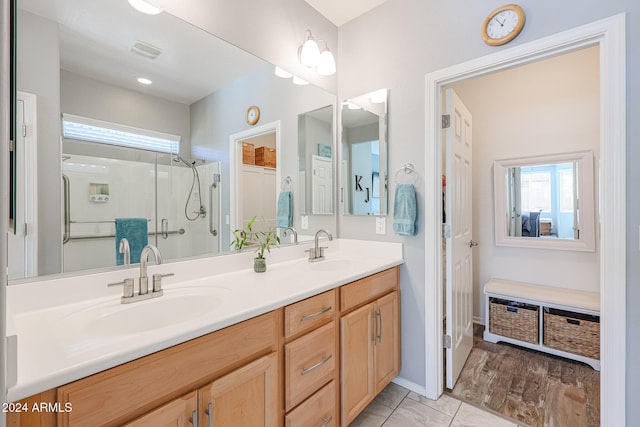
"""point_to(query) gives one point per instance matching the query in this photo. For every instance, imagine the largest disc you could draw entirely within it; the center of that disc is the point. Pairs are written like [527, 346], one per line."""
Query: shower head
[178, 159]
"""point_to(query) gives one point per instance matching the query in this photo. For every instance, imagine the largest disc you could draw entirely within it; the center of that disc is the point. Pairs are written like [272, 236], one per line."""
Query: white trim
[416, 388]
[31, 182]
[235, 160]
[609, 34]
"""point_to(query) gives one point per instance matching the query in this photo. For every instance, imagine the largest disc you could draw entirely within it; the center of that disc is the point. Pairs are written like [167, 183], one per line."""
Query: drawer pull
[317, 365]
[209, 412]
[326, 421]
[194, 419]
[573, 321]
[314, 315]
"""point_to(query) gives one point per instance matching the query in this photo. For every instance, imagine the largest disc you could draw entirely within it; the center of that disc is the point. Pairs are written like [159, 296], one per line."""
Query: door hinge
[446, 121]
[26, 229]
[446, 231]
[11, 146]
[446, 341]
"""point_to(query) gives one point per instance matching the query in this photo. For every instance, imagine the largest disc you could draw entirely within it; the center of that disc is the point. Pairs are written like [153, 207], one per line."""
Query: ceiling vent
[145, 49]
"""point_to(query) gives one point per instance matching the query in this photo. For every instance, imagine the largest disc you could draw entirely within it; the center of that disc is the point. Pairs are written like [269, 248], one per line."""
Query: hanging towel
[135, 231]
[284, 214]
[405, 210]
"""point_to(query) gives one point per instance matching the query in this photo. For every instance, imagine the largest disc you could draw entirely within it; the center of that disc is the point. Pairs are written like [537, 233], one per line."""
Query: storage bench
[554, 320]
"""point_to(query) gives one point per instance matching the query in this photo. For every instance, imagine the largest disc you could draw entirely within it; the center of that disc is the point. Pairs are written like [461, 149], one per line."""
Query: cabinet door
[386, 354]
[356, 347]
[246, 397]
[177, 413]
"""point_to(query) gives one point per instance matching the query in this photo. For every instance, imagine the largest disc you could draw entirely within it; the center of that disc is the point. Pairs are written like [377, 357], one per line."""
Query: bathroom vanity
[303, 344]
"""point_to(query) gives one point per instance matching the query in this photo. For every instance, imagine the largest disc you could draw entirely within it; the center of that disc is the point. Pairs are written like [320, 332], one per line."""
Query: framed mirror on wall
[363, 169]
[195, 86]
[546, 202]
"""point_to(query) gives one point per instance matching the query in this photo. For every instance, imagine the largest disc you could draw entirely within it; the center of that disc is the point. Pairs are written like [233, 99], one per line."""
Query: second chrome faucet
[129, 294]
[317, 252]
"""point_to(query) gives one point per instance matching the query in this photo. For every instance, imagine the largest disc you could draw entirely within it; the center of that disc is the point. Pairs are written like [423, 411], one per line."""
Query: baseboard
[478, 320]
[416, 388]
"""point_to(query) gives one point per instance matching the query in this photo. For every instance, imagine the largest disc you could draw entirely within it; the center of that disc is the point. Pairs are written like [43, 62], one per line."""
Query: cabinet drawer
[309, 364]
[305, 315]
[318, 410]
[369, 288]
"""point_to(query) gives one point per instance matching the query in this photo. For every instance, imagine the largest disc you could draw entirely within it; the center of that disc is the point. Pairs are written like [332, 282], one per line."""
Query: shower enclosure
[179, 199]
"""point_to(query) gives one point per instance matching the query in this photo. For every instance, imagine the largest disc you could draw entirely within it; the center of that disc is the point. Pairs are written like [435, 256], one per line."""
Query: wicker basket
[514, 320]
[575, 333]
[248, 153]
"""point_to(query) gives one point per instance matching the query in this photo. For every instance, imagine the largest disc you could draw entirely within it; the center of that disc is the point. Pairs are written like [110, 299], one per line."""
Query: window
[565, 176]
[85, 129]
[535, 191]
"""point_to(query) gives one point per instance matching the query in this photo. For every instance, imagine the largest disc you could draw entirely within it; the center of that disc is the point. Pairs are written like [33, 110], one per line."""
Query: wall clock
[503, 25]
[253, 115]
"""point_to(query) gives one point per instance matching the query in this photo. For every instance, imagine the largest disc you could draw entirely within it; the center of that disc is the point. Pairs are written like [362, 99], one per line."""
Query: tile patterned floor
[398, 407]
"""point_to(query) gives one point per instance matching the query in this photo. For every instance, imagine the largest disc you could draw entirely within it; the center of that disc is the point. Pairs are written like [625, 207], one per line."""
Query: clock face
[502, 24]
[253, 115]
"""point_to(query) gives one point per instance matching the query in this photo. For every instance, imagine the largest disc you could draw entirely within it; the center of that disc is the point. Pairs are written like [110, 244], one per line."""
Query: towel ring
[286, 184]
[409, 170]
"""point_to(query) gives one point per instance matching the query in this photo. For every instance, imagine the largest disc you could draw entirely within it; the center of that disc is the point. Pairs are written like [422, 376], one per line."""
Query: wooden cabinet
[311, 361]
[370, 340]
[180, 412]
[246, 397]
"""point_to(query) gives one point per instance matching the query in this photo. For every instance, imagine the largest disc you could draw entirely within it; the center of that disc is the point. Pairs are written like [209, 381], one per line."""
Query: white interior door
[459, 256]
[322, 183]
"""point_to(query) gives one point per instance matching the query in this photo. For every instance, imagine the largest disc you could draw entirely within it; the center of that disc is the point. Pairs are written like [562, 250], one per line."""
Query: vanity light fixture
[379, 96]
[144, 81]
[309, 52]
[145, 7]
[298, 81]
[326, 62]
[282, 73]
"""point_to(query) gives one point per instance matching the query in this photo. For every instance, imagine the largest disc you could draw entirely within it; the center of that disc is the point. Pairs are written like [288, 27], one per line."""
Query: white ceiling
[342, 11]
[95, 37]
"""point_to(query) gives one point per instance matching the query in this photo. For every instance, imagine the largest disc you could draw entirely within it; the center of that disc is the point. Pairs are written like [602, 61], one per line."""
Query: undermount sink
[331, 264]
[174, 307]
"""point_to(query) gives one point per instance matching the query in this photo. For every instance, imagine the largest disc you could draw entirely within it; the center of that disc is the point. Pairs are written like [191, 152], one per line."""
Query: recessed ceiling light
[298, 81]
[144, 81]
[145, 7]
[282, 73]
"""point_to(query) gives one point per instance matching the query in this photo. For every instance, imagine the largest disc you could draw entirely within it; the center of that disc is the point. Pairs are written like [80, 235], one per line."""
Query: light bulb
[282, 73]
[144, 81]
[298, 81]
[326, 64]
[145, 7]
[309, 53]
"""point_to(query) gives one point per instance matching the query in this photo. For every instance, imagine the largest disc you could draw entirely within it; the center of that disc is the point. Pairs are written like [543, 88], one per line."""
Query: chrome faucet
[144, 280]
[128, 294]
[317, 252]
[125, 250]
[295, 233]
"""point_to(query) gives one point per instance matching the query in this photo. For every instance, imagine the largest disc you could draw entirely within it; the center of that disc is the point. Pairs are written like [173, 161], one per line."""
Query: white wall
[394, 46]
[38, 69]
[549, 107]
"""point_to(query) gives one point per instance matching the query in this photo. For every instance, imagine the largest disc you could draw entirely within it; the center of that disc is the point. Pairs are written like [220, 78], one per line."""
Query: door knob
[472, 243]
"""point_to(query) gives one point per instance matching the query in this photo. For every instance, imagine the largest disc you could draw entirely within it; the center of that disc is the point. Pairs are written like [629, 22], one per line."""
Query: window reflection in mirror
[546, 202]
[542, 201]
[364, 154]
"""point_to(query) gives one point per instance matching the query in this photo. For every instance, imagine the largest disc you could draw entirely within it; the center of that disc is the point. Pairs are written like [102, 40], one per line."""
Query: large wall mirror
[364, 154]
[100, 82]
[545, 202]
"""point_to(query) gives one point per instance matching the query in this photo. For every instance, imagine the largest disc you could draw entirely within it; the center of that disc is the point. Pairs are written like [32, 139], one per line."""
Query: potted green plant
[265, 240]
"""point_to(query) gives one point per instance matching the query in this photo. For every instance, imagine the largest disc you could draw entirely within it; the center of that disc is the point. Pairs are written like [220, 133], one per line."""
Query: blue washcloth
[405, 211]
[284, 214]
[135, 231]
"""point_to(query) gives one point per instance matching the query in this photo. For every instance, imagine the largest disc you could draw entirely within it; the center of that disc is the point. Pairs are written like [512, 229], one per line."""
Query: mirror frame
[586, 197]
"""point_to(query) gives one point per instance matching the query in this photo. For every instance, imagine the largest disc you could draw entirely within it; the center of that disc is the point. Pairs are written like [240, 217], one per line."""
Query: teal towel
[135, 231]
[405, 210]
[284, 214]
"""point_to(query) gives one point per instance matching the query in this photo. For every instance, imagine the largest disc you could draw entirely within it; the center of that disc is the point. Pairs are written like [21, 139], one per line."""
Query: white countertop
[71, 327]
